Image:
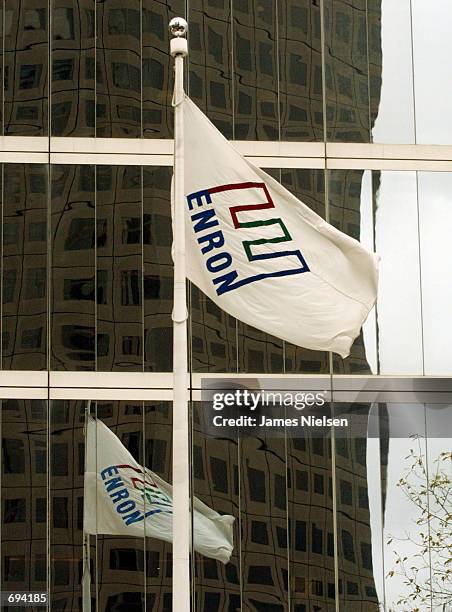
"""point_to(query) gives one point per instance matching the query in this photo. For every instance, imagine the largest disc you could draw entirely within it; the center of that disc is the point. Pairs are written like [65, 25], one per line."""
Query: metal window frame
[266, 154]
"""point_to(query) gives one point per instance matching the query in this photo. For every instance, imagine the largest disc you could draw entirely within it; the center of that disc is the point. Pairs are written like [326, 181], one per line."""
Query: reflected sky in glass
[395, 528]
[413, 225]
[432, 50]
[416, 91]
[395, 119]
[435, 222]
[399, 299]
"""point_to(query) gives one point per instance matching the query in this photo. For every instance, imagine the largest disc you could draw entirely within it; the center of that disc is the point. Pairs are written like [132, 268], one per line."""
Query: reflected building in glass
[87, 292]
[280, 492]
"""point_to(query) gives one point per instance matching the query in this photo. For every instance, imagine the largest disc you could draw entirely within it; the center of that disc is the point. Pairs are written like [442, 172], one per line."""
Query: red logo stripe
[236, 209]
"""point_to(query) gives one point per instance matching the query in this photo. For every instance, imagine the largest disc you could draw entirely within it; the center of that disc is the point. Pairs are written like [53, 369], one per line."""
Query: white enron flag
[123, 498]
[262, 255]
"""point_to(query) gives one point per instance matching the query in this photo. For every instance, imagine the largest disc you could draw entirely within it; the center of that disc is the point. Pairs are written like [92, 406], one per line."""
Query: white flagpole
[86, 574]
[181, 488]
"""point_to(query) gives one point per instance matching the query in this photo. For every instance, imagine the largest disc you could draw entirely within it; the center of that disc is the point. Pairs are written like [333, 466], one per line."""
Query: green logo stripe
[247, 244]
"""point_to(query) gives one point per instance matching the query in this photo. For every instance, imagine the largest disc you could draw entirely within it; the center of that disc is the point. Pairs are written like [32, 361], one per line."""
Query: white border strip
[16, 378]
[249, 148]
[389, 151]
[389, 164]
[129, 159]
[121, 146]
[156, 381]
[23, 157]
[287, 162]
[117, 380]
[37, 144]
[23, 393]
[111, 159]
[142, 395]
[333, 163]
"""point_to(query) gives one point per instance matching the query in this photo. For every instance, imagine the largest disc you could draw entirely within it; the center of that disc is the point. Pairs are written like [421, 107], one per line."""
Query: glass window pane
[213, 337]
[401, 511]
[263, 492]
[73, 68]
[258, 351]
[210, 70]
[432, 46]
[119, 268]
[390, 28]
[256, 98]
[122, 568]
[438, 465]
[158, 269]
[300, 79]
[347, 58]
[24, 303]
[26, 51]
[216, 483]
[311, 521]
[158, 431]
[23, 519]
[157, 66]
[73, 268]
[357, 533]
[118, 66]
[67, 420]
[399, 298]
[435, 226]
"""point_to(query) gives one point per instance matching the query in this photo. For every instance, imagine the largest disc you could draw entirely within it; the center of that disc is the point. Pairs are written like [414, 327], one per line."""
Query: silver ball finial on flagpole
[178, 28]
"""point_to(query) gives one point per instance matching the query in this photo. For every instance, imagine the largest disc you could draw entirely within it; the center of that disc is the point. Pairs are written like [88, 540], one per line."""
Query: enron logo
[258, 247]
[134, 493]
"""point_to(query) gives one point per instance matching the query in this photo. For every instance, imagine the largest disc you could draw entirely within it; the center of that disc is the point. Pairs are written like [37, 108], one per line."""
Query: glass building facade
[346, 103]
